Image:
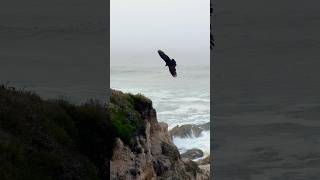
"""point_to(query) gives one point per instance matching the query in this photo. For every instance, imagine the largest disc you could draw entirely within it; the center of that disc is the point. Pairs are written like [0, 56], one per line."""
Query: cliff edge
[149, 153]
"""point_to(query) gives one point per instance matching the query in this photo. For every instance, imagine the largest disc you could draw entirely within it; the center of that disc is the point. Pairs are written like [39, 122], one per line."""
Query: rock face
[204, 161]
[152, 154]
[204, 165]
[192, 154]
[189, 130]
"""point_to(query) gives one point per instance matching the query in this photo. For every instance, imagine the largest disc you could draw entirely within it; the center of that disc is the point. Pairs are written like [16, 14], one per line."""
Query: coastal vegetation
[54, 139]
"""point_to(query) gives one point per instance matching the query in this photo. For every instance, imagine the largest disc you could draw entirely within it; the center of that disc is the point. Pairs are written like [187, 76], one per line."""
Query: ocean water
[181, 100]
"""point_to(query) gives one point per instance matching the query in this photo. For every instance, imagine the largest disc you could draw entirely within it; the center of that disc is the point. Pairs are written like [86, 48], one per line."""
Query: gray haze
[179, 27]
[266, 90]
[56, 48]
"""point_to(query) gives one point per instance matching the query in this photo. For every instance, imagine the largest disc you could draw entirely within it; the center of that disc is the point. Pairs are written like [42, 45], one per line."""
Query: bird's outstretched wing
[173, 71]
[164, 57]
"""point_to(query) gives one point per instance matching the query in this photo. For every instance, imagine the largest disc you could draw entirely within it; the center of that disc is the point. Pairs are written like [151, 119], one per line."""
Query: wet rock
[204, 161]
[192, 154]
[189, 130]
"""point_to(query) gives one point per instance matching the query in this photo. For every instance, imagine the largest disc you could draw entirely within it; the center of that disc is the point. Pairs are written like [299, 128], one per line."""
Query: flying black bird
[171, 63]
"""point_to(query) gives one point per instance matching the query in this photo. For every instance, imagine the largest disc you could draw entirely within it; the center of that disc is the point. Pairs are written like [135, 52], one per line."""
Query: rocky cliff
[149, 153]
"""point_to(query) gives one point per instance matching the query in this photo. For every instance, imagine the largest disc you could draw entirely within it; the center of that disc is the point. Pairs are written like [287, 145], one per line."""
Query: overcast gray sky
[179, 27]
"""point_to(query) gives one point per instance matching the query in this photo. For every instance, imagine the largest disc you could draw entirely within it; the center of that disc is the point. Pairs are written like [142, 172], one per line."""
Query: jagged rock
[204, 161]
[205, 172]
[192, 154]
[189, 130]
[200, 173]
[204, 165]
[153, 155]
[170, 151]
[160, 167]
[192, 167]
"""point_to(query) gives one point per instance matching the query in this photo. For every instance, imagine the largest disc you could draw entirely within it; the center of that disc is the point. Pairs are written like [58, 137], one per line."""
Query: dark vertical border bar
[266, 90]
[108, 91]
[212, 45]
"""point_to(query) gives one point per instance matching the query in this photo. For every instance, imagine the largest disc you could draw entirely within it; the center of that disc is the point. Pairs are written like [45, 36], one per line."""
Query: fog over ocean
[55, 48]
[181, 29]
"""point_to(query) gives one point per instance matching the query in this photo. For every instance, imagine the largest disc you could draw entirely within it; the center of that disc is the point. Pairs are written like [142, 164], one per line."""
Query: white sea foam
[201, 142]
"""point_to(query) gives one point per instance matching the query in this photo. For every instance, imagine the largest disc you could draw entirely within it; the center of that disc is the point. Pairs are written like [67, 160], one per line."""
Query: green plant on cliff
[125, 115]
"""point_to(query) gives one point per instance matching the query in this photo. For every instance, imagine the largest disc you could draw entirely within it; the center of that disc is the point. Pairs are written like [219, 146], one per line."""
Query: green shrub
[125, 113]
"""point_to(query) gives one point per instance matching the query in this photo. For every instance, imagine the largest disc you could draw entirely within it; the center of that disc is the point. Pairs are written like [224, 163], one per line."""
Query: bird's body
[171, 63]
